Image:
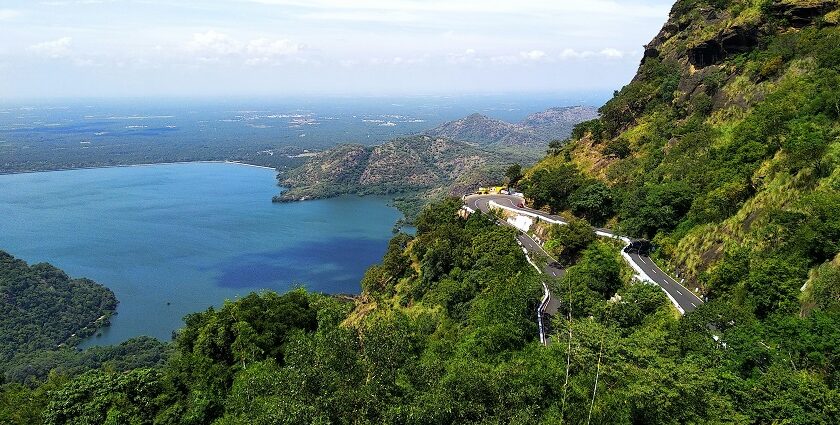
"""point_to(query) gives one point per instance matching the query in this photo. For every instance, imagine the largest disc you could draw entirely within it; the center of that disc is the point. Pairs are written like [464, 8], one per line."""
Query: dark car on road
[639, 246]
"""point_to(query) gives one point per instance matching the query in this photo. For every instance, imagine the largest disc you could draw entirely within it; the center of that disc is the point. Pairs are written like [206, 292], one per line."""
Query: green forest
[42, 308]
[444, 332]
[44, 314]
[723, 151]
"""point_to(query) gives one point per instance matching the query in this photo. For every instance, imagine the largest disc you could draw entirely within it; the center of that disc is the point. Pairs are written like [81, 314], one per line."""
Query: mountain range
[535, 131]
[452, 158]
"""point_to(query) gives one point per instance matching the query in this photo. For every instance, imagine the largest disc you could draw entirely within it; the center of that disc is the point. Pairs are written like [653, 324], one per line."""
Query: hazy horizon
[594, 97]
[149, 48]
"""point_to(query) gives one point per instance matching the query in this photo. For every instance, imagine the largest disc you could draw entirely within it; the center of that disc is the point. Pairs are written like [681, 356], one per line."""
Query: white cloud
[533, 55]
[9, 14]
[398, 60]
[263, 47]
[212, 46]
[385, 17]
[348, 63]
[612, 53]
[75, 2]
[212, 43]
[436, 45]
[53, 49]
[504, 59]
[468, 55]
[609, 53]
[574, 54]
[86, 62]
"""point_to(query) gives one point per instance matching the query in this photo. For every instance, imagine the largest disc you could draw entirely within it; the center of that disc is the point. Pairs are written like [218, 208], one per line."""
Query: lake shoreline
[175, 240]
[145, 164]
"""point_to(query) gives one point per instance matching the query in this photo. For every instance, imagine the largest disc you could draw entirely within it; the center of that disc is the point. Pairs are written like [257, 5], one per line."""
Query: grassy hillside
[723, 149]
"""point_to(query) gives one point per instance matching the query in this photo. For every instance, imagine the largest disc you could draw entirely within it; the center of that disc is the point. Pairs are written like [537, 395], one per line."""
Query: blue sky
[113, 48]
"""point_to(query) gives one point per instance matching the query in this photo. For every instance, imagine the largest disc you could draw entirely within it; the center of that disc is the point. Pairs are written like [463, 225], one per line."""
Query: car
[639, 246]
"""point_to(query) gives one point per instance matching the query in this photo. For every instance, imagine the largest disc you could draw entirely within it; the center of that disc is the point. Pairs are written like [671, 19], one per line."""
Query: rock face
[732, 36]
[801, 13]
[731, 41]
[535, 131]
[701, 36]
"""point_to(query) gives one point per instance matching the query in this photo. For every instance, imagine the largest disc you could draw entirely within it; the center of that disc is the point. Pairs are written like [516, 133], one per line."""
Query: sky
[131, 48]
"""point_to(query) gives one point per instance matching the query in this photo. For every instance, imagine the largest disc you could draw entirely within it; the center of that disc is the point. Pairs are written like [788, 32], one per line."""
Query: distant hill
[407, 164]
[535, 131]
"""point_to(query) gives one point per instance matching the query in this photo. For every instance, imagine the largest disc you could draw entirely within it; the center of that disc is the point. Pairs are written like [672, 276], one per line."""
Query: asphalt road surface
[683, 298]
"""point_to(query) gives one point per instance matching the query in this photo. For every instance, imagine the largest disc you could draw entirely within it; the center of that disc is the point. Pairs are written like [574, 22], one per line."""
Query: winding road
[646, 270]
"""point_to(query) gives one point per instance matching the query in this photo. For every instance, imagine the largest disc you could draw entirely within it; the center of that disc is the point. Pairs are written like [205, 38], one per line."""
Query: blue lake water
[174, 239]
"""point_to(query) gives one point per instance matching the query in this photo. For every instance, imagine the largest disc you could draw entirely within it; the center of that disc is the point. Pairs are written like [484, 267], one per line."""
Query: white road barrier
[640, 274]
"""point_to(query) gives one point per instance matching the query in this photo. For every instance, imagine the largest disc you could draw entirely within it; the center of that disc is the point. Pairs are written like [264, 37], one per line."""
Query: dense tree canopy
[42, 308]
[461, 348]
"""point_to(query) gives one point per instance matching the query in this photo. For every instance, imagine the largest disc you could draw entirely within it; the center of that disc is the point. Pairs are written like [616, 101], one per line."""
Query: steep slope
[400, 165]
[723, 149]
[535, 131]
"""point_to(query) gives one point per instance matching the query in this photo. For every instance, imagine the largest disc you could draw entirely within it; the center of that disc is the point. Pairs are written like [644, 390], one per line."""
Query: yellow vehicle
[494, 190]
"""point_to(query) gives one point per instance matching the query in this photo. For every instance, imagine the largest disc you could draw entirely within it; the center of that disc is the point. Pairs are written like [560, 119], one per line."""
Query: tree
[655, 207]
[552, 186]
[567, 241]
[513, 174]
[637, 302]
[433, 215]
[772, 286]
[244, 347]
[102, 397]
[592, 201]
[601, 264]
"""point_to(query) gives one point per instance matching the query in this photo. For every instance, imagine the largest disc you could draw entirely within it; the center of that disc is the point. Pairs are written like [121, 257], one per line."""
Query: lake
[177, 238]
